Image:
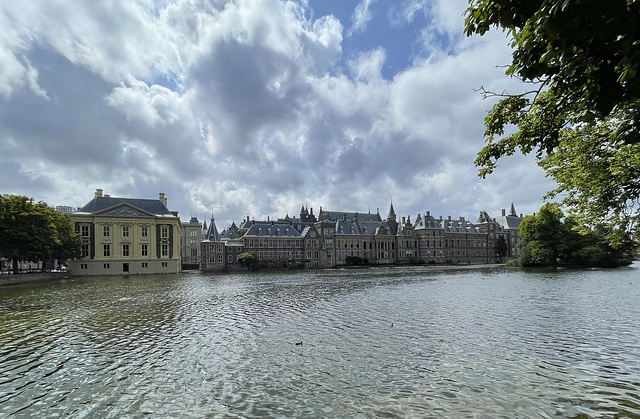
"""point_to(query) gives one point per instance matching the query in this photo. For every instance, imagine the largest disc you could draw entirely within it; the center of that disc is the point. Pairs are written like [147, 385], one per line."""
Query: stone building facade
[191, 235]
[337, 238]
[124, 236]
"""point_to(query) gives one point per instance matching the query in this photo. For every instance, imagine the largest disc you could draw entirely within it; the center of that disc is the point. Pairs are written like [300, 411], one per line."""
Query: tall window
[193, 233]
[164, 232]
[125, 250]
[106, 250]
[125, 231]
[84, 231]
[143, 231]
[105, 231]
[85, 250]
[165, 250]
[145, 250]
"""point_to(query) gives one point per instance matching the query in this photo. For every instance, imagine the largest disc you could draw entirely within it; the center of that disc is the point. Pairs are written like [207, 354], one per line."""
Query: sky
[255, 107]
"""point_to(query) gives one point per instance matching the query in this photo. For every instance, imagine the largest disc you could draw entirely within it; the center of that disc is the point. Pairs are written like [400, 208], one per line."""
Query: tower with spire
[391, 219]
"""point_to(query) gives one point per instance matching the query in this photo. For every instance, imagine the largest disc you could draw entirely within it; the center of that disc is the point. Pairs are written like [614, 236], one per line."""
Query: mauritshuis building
[139, 236]
[123, 236]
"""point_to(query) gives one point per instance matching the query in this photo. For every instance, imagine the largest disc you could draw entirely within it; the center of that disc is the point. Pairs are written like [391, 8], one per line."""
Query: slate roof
[273, 229]
[340, 215]
[101, 203]
[212, 234]
[459, 226]
[357, 226]
[484, 217]
[428, 221]
[452, 226]
[509, 222]
[230, 234]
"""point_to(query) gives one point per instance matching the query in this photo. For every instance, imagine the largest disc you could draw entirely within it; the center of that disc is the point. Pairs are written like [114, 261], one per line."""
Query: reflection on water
[410, 342]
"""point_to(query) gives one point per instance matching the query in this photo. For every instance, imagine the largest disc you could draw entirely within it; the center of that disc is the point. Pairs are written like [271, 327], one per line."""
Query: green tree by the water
[551, 239]
[35, 232]
[249, 260]
[580, 112]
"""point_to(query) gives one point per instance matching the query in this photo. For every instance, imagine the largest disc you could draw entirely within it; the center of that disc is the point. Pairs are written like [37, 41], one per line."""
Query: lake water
[390, 342]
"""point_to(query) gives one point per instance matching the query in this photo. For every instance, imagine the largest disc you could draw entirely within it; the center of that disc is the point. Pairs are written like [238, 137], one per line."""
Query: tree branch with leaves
[582, 119]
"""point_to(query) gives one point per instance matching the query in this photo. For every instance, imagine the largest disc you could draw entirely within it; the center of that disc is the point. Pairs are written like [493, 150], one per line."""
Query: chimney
[461, 218]
[504, 212]
[449, 218]
[162, 198]
[403, 220]
[98, 193]
[428, 213]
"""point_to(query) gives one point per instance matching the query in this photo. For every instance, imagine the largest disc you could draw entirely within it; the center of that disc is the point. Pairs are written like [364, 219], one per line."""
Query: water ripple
[411, 342]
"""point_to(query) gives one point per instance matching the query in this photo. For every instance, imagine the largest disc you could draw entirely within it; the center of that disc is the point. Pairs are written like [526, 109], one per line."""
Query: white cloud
[361, 17]
[246, 107]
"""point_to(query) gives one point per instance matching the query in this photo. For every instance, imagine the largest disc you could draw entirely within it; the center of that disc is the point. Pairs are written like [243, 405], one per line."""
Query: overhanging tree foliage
[35, 232]
[551, 239]
[580, 59]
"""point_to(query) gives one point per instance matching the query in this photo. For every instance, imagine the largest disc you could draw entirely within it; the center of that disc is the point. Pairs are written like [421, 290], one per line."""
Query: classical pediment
[124, 210]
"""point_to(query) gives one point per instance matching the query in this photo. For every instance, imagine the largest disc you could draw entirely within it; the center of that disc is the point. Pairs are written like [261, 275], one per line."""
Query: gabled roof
[484, 217]
[428, 221]
[509, 222]
[101, 203]
[230, 234]
[124, 210]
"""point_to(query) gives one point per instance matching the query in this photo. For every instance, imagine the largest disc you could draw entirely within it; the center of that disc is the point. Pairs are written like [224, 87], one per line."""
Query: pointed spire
[212, 232]
[392, 213]
[512, 211]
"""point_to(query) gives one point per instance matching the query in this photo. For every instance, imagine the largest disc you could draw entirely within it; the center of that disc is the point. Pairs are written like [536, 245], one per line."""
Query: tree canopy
[35, 232]
[249, 260]
[580, 110]
[551, 239]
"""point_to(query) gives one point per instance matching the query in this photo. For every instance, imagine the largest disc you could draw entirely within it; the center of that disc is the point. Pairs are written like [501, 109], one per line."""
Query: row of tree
[33, 231]
[551, 239]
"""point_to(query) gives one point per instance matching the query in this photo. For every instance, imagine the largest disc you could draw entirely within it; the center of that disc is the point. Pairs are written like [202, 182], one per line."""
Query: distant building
[337, 238]
[65, 209]
[127, 236]
[511, 225]
[191, 234]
